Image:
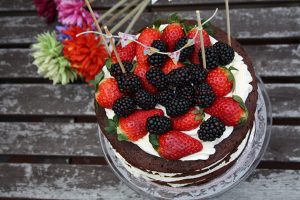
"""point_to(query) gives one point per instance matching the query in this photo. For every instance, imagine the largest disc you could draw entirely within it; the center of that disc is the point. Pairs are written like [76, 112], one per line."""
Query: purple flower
[72, 12]
[60, 35]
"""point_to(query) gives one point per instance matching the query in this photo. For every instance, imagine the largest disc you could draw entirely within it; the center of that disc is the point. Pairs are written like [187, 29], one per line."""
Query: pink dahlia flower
[46, 9]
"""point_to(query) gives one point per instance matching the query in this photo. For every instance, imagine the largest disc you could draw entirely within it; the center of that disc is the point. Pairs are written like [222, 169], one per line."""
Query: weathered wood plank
[22, 29]
[269, 61]
[91, 182]
[81, 139]
[77, 99]
[16, 5]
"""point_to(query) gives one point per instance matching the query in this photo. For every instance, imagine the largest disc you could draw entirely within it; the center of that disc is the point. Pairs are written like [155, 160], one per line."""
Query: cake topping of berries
[108, 92]
[186, 92]
[166, 96]
[225, 53]
[186, 52]
[179, 77]
[129, 83]
[133, 127]
[124, 106]
[177, 107]
[115, 69]
[141, 70]
[212, 58]
[158, 125]
[221, 80]
[188, 121]
[157, 78]
[174, 145]
[197, 72]
[211, 129]
[204, 95]
[171, 34]
[156, 59]
[145, 100]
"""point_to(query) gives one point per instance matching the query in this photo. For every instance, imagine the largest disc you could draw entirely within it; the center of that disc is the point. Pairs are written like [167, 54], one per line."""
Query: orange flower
[86, 53]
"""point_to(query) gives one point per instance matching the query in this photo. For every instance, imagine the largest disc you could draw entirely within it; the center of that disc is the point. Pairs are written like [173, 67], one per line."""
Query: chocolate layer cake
[189, 172]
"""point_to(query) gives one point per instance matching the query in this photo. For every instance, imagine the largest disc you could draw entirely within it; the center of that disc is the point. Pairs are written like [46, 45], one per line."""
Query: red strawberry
[108, 92]
[188, 121]
[141, 70]
[171, 34]
[197, 46]
[174, 145]
[133, 127]
[169, 66]
[146, 37]
[230, 110]
[126, 53]
[221, 80]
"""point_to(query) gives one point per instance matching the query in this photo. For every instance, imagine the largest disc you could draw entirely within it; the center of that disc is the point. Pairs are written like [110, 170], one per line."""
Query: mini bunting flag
[175, 56]
[125, 38]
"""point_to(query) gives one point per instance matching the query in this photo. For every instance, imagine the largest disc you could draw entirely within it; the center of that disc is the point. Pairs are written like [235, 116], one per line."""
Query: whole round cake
[170, 119]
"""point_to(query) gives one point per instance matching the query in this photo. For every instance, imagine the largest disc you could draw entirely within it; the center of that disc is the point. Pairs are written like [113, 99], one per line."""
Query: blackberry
[145, 100]
[187, 92]
[204, 95]
[165, 96]
[129, 83]
[115, 69]
[156, 59]
[158, 125]
[212, 58]
[211, 129]
[157, 78]
[186, 52]
[124, 106]
[197, 72]
[179, 77]
[179, 106]
[225, 52]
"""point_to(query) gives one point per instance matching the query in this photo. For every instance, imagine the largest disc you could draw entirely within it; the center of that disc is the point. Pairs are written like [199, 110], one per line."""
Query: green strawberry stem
[153, 139]
[244, 117]
[122, 137]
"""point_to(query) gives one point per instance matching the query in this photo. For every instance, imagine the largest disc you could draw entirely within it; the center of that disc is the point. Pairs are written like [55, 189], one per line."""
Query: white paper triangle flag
[175, 56]
[126, 38]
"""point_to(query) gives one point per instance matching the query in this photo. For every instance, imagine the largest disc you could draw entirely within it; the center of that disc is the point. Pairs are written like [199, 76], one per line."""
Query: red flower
[46, 8]
[86, 53]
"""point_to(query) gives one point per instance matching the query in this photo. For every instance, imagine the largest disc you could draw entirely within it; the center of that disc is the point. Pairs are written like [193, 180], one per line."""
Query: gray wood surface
[268, 61]
[77, 99]
[81, 139]
[245, 22]
[91, 182]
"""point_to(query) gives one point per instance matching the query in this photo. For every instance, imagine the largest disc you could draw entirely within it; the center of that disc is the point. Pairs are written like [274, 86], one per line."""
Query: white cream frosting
[243, 87]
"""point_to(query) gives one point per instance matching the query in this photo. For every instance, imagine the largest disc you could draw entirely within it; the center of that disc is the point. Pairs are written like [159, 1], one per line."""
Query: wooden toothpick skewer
[126, 18]
[228, 22]
[97, 25]
[201, 38]
[126, 8]
[112, 9]
[114, 49]
[135, 18]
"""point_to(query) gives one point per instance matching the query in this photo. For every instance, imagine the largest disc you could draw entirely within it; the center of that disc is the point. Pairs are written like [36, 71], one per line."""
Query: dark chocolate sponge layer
[140, 159]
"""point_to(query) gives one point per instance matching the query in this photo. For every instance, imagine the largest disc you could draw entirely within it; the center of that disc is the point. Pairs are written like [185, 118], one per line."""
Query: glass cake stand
[243, 167]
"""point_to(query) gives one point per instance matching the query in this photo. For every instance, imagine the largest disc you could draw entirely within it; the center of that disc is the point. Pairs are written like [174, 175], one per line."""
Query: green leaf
[111, 127]
[98, 78]
[157, 23]
[108, 63]
[153, 139]
[240, 101]
[198, 118]
[122, 137]
[174, 18]
[231, 68]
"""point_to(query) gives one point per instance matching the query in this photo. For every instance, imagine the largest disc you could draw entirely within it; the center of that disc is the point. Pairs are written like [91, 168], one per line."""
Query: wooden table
[48, 136]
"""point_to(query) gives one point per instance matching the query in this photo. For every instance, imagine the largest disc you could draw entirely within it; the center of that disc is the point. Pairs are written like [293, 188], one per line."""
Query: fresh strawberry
[197, 46]
[141, 70]
[230, 110]
[108, 92]
[146, 37]
[221, 80]
[171, 34]
[133, 127]
[188, 121]
[126, 53]
[169, 66]
[174, 145]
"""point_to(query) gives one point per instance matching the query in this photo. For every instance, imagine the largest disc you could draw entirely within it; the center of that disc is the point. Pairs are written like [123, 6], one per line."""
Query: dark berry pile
[158, 125]
[204, 95]
[211, 129]
[197, 73]
[186, 92]
[225, 53]
[124, 106]
[212, 58]
[179, 77]
[179, 106]
[158, 60]
[115, 69]
[145, 100]
[186, 52]
[166, 96]
[157, 78]
[129, 83]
